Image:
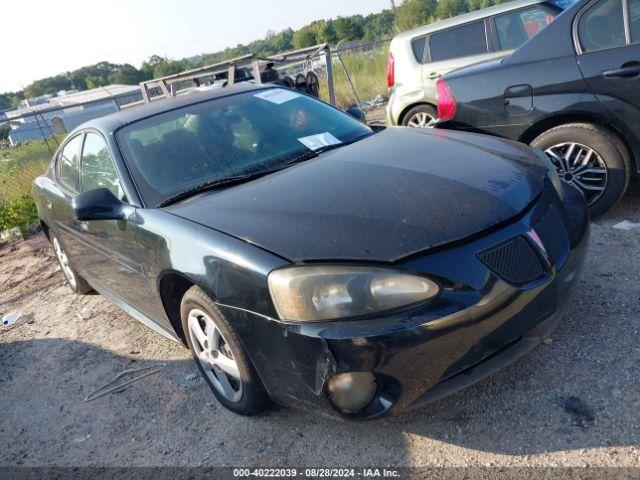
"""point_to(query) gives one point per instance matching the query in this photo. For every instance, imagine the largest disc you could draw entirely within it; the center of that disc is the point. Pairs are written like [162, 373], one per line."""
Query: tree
[47, 85]
[348, 28]
[305, 37]
[451, 8]
[414, 13]
[378, 25]
[126, 75]
[169, 67]
[325, 32]
[5, 129]
[10, 100]
[95, 81]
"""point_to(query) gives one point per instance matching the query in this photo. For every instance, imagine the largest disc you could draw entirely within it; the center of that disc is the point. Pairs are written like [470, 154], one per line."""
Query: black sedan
[308, 260]
[573, 90]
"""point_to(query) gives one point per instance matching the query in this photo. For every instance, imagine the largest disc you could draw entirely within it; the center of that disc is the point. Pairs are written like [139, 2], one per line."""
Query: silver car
[417, 58]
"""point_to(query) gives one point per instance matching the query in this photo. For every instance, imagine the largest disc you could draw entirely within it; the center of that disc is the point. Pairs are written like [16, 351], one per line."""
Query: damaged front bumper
[477, 325]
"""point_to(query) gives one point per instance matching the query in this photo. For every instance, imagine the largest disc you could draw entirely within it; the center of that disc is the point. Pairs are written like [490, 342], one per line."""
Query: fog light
[351, 392]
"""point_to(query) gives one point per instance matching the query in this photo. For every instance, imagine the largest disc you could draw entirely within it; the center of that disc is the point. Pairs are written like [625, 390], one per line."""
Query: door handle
[623, 72]
[49, 204]
[434, 75]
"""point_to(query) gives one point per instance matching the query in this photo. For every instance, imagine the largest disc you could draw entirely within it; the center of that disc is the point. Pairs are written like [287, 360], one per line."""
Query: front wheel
[220, 356]
[76, 283]
[420, 116]
[592, 159]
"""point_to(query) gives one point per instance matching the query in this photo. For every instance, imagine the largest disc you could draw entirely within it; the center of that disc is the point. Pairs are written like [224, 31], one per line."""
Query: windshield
[227, 137]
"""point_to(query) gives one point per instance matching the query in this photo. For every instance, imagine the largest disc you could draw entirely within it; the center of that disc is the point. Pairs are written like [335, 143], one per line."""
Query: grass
[368, 73]
[19, 166]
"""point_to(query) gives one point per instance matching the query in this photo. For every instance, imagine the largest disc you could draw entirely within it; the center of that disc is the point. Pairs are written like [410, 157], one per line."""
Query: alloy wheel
[64, 263]
[582, 167]
[420, 120]
[214, 355]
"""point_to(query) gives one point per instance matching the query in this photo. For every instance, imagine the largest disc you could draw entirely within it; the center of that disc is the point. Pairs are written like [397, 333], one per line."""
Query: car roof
[113, 121]
[466, 18]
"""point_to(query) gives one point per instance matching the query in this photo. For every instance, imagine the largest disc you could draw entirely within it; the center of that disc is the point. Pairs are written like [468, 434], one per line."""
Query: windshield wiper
[227, 181]
[314, 153]
[212, 185]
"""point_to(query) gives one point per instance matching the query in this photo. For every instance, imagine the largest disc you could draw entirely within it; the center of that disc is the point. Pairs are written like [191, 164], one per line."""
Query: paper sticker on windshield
[315, 142]
[277, 95]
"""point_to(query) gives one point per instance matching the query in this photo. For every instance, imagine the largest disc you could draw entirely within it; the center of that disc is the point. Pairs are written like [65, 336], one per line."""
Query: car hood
[395, 193]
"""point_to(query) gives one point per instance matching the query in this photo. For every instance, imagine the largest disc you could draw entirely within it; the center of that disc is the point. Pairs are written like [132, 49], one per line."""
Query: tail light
[391, 71]
[446, 103]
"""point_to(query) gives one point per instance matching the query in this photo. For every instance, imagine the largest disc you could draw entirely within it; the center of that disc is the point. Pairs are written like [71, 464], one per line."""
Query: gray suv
[417, 58]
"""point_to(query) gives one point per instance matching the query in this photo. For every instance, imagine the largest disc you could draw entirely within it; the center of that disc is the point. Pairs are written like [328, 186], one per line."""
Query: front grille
[514, 261]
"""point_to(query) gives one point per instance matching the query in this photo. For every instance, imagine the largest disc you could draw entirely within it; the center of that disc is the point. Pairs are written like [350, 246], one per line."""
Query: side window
[634, 20]
[97, 168]
[463, 41]
[602, 26]
[515, 28]
[417, 44]
[68, 161]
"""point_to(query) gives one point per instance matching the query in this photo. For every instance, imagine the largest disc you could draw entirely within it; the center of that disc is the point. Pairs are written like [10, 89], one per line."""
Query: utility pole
[395, 15]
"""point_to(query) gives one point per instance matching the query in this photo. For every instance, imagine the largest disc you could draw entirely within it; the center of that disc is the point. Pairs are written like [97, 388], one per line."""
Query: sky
[44, 38]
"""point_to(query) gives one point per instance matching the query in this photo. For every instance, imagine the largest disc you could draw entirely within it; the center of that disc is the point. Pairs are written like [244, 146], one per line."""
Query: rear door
[455, 48]
[608, 35]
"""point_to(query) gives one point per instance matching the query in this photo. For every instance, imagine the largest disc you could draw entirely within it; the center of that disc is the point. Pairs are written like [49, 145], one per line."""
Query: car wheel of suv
[420, 116]
[76, 283]
[591, 158]
[220, 356]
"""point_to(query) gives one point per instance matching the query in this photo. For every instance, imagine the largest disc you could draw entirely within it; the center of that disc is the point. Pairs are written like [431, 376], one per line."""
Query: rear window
[515, 28]
[417, 44]
[462, 41]
[602, 26]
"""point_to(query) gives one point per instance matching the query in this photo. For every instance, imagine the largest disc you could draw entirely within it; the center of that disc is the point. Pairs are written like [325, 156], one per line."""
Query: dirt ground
[65, 346]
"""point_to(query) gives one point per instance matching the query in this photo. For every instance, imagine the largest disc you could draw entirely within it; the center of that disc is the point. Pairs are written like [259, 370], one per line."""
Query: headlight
[552, 171]
[331, 292]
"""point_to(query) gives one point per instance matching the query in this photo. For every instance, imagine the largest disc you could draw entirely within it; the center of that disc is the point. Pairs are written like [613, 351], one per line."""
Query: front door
[113, 257]
[58, 201]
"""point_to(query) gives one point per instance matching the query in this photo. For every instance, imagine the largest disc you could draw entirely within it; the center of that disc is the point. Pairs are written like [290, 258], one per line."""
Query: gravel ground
[65, 346]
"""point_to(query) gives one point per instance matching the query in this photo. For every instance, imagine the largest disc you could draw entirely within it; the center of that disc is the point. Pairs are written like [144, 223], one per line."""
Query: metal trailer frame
[168, 85]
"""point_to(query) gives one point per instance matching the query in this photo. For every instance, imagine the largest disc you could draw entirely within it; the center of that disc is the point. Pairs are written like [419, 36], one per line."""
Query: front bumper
[477, 325]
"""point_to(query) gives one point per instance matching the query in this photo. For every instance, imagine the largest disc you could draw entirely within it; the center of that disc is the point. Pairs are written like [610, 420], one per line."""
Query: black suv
[573, 90]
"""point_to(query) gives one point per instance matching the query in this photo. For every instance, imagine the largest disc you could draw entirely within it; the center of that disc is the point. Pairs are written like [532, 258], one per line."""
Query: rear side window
[515, 28]
[417, 44]
[602, 26]
[97, 170]
[463, 41]
[68, 162]
[634, 20]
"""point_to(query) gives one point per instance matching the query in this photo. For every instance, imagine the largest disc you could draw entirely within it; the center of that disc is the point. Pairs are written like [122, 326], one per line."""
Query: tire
[289, 82]
[313, 84]
[76, 283]
[605, 178]
[301, 82]
[243, 394]
[419, 116]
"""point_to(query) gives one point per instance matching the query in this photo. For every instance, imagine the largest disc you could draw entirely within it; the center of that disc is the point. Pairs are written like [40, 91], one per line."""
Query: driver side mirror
[357, 112]
[98, 204]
